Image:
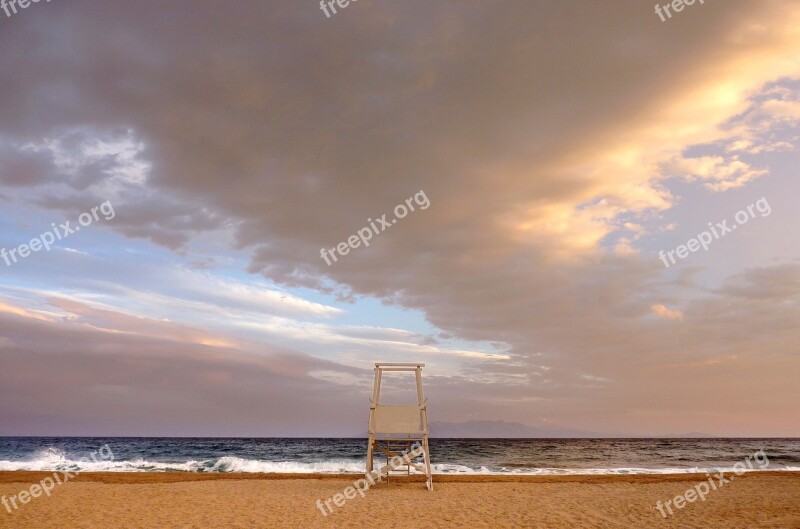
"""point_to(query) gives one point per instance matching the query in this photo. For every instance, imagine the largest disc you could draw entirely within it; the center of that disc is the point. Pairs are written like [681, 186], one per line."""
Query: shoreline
[24, 476]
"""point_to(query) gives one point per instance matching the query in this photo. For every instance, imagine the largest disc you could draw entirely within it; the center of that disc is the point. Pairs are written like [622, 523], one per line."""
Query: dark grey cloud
[292, 129]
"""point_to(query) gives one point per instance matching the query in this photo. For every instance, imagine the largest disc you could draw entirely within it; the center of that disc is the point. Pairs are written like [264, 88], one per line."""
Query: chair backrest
[397, 420]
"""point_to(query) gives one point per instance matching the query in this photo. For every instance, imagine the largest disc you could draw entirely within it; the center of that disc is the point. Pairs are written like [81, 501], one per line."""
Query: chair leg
[370, 450]
[427, 456]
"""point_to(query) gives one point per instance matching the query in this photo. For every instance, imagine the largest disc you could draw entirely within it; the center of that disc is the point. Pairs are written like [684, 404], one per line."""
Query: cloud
[664, 312]
[24, 166]
[717, 173]
[82, 380]
[548, 161]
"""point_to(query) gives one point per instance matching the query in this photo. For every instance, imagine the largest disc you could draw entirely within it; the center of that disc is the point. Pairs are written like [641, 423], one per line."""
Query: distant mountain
[503, 429]
[690, 435]
[517, 430]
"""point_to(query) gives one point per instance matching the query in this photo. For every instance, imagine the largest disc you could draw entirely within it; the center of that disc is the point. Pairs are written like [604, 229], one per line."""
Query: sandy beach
[186, 500]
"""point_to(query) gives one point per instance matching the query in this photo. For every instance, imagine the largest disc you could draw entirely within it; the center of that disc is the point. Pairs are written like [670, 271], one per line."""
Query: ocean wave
[236, 464]
[56, 460]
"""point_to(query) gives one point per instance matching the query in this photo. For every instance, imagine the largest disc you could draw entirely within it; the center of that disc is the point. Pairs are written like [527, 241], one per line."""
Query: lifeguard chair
[394, 429]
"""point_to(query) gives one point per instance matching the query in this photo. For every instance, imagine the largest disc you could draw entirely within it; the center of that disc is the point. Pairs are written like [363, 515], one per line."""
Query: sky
[559, 157]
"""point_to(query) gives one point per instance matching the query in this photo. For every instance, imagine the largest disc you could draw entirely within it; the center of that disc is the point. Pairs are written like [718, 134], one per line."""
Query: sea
[448, 456]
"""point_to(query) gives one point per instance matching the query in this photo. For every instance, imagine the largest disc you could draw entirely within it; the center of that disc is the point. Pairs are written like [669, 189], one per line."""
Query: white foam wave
[236, 464]
[460, 469]
[52, 459]
[56, 461]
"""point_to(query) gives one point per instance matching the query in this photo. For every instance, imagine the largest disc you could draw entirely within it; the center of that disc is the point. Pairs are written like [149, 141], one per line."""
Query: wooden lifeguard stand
[394, 429]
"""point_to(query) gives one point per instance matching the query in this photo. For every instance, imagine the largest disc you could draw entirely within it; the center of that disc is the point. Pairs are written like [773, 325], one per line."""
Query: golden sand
[250, 501]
